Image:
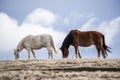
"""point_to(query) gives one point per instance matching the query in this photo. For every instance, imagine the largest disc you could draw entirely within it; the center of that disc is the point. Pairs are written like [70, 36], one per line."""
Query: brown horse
[85, 39]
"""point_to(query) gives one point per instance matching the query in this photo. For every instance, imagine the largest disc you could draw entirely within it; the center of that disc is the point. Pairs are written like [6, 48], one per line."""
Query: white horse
[31, 43]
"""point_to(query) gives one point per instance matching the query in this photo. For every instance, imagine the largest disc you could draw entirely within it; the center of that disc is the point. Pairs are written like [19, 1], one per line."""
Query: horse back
[86, 38]
[37, 42]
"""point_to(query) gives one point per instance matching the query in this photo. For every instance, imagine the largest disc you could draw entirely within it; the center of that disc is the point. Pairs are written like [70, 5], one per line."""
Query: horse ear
[17, 50]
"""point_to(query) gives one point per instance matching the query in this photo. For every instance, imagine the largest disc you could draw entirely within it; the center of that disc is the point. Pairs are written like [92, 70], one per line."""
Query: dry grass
[62, 69]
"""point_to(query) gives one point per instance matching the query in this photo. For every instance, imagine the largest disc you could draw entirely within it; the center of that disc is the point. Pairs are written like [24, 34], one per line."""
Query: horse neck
[64, 46]
[67, 41]
[20, 45]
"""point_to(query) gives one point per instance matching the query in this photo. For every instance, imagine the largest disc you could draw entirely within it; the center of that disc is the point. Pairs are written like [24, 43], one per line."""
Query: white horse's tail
[53, 46]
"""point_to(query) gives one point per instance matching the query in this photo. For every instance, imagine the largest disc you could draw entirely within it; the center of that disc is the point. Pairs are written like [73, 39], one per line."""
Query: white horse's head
[16, 53]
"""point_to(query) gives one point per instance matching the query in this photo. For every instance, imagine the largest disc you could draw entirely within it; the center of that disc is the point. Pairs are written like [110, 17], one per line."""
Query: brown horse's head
[65, 45]
[65, 52]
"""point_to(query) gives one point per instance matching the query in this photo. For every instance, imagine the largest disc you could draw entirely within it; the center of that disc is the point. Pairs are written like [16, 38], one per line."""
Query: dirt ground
[61, 69]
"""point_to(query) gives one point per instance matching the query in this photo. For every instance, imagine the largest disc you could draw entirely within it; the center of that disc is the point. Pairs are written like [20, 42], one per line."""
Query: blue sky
[19, 18]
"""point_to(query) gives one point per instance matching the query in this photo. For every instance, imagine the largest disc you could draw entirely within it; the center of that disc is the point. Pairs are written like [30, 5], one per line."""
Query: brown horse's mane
[67, 41]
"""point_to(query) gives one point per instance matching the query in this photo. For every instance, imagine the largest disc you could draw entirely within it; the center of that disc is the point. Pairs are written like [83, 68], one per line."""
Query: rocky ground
[61, 69]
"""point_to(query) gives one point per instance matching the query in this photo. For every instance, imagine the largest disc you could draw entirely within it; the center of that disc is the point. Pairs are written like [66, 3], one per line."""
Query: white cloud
[11, 33]
[41, 16]
[89, 25]
[8, 29]
[108, 28]
[73, 18]
[77, 19]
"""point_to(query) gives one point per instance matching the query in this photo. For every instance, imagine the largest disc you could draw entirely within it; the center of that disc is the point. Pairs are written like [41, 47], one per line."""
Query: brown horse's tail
[105, 46]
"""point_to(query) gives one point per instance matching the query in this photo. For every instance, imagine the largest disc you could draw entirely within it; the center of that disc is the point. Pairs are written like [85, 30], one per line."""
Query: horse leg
[79, 53]
[28, 54]
[76, 51]
[33, 53]
[100, 47]
[98, 50]
[50, 53]
[103, 53]
[103, 50]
